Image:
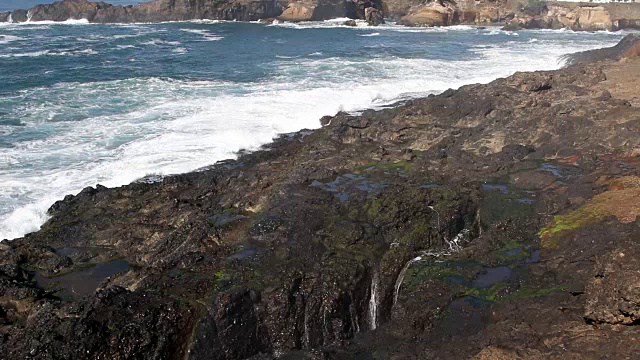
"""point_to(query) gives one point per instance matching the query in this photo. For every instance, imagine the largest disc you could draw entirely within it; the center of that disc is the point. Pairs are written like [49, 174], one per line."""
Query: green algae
[503, 255]
[421, 272]
[492, 293]
[561, 224]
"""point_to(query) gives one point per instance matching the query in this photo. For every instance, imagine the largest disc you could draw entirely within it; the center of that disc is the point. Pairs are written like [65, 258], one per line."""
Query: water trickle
[401, 278]
[306, 337]
[373, 301]
[455, 244]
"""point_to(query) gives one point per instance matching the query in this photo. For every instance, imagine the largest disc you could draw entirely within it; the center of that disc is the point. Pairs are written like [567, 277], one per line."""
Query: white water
[373, 301]
[169, 126]
[400, 278]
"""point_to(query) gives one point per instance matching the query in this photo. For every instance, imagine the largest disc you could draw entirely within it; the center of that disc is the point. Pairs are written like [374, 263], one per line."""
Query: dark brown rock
[373, 16]
[485, 221]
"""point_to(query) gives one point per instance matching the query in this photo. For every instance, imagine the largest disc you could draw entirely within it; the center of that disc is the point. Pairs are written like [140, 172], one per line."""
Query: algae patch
[621, 204]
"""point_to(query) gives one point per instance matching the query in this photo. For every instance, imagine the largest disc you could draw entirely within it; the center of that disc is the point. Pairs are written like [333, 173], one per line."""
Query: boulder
[373, 16]
[318, 10]
[4, 16]
[592, 19]
[297, 11]
[350, 23]
[19, 16]
[612, 296]
[431, 14]
[65, 10]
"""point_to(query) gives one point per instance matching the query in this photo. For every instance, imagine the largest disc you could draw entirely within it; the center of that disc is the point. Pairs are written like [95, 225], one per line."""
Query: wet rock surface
[492, 221]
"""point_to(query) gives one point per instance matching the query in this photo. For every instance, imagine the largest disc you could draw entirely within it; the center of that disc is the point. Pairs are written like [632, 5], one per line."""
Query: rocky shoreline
[511, 14]
[495, 221]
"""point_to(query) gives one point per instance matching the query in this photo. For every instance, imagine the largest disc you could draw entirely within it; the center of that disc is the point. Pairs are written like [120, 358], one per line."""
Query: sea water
[85, 104]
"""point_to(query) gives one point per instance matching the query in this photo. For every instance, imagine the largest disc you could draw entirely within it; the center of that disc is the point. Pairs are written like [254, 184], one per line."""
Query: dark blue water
[82, 104]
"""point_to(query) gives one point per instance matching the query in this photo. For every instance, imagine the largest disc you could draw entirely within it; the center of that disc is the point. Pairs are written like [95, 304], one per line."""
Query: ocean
[85, 104]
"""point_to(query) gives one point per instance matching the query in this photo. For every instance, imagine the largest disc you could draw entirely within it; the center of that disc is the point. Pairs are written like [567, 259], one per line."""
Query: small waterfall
[373, 301]
[305, 336]
[455, 245]
[10, 18]
[401, 278]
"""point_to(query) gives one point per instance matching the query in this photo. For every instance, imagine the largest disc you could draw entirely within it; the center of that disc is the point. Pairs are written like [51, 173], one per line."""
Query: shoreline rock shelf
[492, 221]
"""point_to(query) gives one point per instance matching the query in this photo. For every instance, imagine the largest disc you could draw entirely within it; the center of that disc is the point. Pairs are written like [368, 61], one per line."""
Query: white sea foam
[44, 23]
[50, 53]
[160, 42]
[206, 35]
[5, 39]
[371, 34]
[162, 126]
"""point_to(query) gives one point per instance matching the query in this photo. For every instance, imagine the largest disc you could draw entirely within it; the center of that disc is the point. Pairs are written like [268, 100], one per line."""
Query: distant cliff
[579, 16]
[514, 14]
[153, 11]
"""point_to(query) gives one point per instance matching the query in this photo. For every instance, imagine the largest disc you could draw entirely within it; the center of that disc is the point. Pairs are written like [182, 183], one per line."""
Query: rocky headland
[495, 221]
[512, 14]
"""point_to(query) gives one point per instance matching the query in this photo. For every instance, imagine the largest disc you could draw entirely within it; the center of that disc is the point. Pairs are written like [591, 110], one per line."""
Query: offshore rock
[318, 10]
[436, 13]
[373, 16]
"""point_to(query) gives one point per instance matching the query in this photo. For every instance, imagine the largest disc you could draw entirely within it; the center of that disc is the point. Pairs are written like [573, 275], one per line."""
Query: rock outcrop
[579, 17]
[514, 14]
[317, 10]
[486, 222]
[154, 11]
[435, 13]
[373, 16]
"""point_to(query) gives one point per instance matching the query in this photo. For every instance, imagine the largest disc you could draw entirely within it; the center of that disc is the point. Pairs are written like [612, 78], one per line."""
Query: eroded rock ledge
[493, 221]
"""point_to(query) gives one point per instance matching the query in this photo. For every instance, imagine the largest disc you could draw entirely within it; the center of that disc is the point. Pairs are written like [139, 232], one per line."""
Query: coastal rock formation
[436, 13]
[154, 11]
[496, 220]
[579, 17]
[298, 11]
[516, 14]
[317, 10]
[373, 16]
